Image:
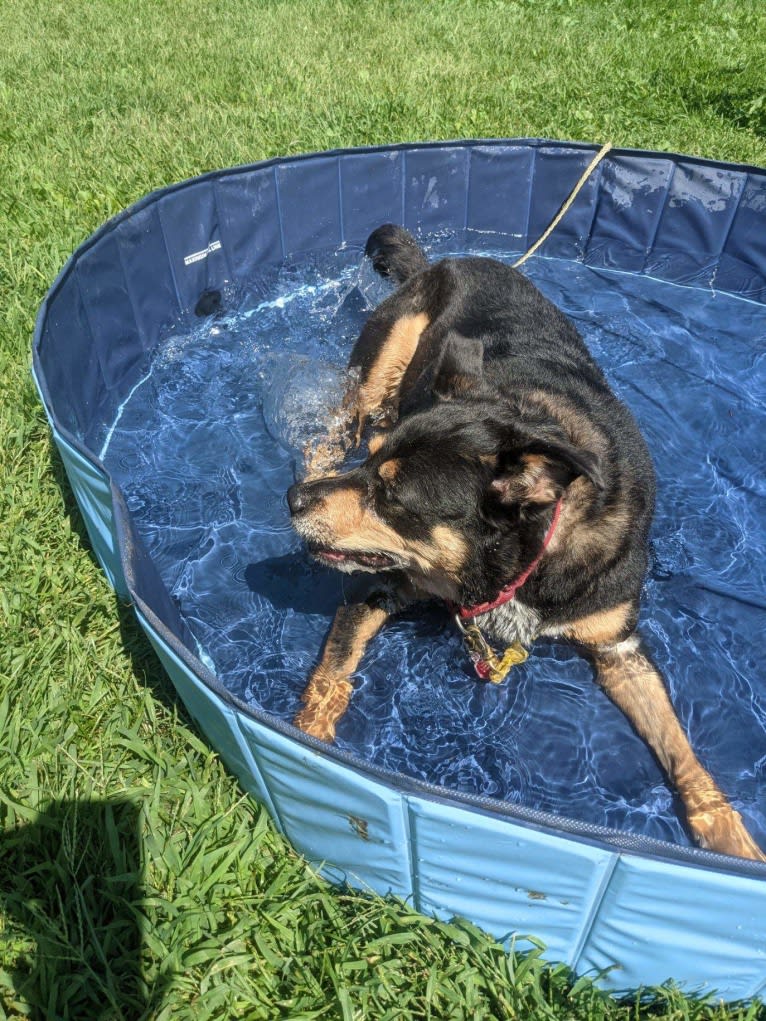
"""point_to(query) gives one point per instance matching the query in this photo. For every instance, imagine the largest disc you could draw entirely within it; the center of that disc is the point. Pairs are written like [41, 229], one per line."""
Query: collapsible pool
[530, 807]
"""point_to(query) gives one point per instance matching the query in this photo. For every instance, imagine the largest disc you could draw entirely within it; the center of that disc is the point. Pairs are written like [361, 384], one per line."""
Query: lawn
[136, 879]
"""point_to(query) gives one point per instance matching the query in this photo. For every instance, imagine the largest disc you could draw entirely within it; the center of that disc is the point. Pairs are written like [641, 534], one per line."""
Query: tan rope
[560, 214]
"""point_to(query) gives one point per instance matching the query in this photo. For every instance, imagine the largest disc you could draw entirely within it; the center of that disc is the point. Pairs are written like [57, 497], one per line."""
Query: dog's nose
[298, 498]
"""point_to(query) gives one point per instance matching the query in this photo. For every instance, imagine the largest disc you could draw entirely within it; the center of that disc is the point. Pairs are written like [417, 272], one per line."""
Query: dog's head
[457, 495]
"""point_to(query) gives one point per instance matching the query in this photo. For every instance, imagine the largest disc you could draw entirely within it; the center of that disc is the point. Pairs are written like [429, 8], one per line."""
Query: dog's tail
[395, 253]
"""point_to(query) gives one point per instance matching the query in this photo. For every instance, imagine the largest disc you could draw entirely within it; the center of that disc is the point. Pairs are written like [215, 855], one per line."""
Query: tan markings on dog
[540, 487]
[574, 422]
[578, 536]
[390, 469]
[395, 355]
[327, 694]
[376, 442]
[532, 484]
[599, 628]
[452, 548]
[338, 514]
[635, 687]
[458, 385]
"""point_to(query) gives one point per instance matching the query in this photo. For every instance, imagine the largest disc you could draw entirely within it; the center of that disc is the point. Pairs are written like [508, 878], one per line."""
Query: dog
[504, 477]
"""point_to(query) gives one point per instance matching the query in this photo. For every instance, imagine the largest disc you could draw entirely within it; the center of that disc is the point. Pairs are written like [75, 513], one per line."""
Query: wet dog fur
[487, 416]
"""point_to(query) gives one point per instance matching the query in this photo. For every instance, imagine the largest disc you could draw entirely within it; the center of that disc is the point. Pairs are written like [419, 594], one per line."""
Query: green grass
[135, 878]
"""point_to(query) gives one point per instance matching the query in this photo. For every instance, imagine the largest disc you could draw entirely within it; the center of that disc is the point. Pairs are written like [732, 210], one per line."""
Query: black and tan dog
[504, 478]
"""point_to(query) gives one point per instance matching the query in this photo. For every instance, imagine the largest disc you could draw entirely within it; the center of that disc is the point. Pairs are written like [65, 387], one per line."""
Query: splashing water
[208, 443]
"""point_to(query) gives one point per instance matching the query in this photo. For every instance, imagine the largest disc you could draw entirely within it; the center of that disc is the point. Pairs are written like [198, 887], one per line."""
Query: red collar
[506, 594]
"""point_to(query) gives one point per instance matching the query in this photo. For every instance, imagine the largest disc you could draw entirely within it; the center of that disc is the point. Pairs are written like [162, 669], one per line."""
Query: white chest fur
[512, 622]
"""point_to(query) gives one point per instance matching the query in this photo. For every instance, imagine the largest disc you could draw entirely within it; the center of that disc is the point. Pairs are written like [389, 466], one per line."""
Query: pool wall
[627, 909]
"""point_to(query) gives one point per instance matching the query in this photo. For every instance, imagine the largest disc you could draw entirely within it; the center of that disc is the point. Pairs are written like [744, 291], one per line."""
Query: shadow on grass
[72, 881]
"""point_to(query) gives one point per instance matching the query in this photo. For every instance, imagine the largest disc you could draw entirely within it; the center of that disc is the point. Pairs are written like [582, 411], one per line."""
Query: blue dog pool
[529, 807]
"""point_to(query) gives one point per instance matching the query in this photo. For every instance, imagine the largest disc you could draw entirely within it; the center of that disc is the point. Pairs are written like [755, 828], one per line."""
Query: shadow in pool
[73, 881]
[293, 582]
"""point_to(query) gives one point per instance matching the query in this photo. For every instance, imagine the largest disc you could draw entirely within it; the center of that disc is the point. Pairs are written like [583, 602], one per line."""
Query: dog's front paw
[325, 700]
[315, 724]
[720, 828]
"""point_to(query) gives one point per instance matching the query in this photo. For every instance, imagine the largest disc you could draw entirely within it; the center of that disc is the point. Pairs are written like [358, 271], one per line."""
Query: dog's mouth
[351, 559]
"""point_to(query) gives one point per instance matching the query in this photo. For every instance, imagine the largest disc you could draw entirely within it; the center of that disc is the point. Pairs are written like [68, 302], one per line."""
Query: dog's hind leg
[631, 681]
[327, 694]
[379, 361]
[381, 354]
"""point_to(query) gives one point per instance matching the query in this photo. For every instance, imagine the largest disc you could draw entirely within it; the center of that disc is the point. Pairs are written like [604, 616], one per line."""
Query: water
[209, 442]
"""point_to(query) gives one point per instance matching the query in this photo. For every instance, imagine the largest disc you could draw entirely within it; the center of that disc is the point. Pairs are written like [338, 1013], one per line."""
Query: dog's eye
[390, 493]
[387, 475]
[386, 494]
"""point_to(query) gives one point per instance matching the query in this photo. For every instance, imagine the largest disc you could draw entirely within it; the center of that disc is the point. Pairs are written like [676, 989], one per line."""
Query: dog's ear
[460, 366]
[539, 471]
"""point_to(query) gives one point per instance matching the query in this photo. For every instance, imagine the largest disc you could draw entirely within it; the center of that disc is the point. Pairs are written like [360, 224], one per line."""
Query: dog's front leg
[634, 685]
[327, 694]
